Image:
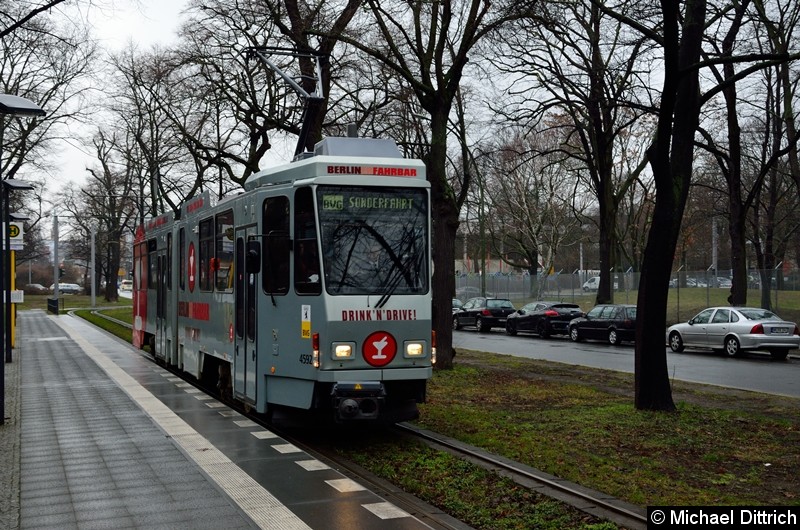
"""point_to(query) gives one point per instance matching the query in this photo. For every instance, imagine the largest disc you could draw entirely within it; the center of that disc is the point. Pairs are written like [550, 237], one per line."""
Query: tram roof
[343, 157]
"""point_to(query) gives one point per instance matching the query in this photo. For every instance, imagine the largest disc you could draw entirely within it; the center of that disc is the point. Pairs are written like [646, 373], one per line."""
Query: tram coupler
[358, 400]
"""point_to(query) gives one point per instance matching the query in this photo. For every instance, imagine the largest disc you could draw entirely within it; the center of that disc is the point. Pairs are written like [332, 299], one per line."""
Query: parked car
[733, 330]
[457, 304]
[35, 288]
[593, 284]
[67, 288]
[696, 282]
[615, 323]
[467, 292]
[724, 283]
[543, 318]
[126, 285]
[483, 313]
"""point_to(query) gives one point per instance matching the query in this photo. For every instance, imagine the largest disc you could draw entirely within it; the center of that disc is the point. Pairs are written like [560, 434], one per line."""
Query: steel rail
[582, 498]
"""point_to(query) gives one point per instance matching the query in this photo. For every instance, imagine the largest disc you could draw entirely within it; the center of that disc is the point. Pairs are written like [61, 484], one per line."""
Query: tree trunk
[112, 292]
[445, 225]
[736, 219]
[444, 285]
[671, 159]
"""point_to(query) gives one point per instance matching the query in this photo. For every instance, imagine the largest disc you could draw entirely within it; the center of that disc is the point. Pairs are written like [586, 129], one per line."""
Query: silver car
[733, 330]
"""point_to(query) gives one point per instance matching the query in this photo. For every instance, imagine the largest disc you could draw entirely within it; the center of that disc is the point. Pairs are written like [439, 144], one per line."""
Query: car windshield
[499, 304]
[758, 314]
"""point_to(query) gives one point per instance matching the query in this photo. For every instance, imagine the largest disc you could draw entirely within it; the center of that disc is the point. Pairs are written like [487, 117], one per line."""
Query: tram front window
[374, 241]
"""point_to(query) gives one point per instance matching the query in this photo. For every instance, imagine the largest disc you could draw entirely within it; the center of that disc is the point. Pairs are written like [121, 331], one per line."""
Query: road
[754, 372]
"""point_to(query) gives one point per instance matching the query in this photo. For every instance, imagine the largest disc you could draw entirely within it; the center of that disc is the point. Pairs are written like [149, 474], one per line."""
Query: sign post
[15, 240]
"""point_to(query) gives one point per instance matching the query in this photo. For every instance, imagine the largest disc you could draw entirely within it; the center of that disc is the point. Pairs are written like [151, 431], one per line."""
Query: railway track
[592, 502]
[595, 503]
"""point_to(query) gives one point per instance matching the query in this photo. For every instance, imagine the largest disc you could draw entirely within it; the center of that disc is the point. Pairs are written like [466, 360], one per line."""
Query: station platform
[98, 436]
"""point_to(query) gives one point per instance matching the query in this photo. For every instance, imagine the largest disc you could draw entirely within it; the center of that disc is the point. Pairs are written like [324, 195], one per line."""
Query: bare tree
[780, 22]
[47, 62]
[530, 201]
[670, 156]
[679, 28]
[585, 68]
[428, 45]
[144, 90]
[315, 31]
[107, 205]
[15, 14]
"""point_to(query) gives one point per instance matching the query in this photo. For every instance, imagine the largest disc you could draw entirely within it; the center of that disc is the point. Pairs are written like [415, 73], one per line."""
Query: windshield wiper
[394, 281]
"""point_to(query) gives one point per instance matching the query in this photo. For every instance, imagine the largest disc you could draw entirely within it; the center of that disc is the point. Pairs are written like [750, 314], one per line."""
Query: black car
[543, 318]
[483, 313]
[612, 322]
[457, 304]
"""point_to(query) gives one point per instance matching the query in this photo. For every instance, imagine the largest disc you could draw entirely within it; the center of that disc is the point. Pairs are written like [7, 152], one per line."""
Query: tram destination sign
[338, 202]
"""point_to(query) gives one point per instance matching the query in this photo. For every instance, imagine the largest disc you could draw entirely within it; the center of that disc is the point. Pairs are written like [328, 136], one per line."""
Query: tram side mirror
[253, 259]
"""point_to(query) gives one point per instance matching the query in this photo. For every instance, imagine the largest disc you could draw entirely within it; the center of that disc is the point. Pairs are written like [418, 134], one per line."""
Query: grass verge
[722, 446]
[113, 328]
[70, 301]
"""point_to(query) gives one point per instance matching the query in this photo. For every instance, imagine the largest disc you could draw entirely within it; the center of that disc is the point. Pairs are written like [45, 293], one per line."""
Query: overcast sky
[145, 22]
[151, 22]
[148, 23]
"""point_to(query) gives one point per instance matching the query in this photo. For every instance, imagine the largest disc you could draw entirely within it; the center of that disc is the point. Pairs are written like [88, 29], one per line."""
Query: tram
[311, 289]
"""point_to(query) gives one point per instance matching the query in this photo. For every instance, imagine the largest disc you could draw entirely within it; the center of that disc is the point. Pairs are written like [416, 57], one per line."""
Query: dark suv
[483, 313]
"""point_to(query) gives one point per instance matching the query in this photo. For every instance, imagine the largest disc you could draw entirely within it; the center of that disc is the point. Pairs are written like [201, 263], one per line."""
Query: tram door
[245, 351]
[161, 304]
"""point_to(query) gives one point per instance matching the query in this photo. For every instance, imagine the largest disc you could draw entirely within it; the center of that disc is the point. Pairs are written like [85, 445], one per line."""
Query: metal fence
[689, 290]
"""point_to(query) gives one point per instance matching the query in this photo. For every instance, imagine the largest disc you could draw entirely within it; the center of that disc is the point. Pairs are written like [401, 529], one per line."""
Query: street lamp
[13, 106]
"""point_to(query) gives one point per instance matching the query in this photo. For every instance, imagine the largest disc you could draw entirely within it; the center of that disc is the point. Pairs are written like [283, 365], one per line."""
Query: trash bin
[52, 305]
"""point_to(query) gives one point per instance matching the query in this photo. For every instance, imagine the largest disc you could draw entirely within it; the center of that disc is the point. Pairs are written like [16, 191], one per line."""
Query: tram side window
[182, 258]
[152, 263]
[206, 253]
[224, 258]
[139, 270]
[275, 256]
[306, 257]
[169, 261]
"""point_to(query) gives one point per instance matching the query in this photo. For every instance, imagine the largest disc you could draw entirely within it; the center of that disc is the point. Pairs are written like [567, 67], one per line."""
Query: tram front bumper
[360, 400]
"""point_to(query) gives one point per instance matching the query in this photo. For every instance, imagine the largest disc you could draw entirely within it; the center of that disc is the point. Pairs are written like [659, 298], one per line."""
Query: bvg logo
[333, 202]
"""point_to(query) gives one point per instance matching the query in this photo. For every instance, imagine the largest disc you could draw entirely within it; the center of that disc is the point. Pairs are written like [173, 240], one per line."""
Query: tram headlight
[415, 349]
[343, 350]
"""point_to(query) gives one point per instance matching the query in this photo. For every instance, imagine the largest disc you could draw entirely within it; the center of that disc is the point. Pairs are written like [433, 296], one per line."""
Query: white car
[126, 285]
[735, 329]
[67, 288]
[593, 283]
